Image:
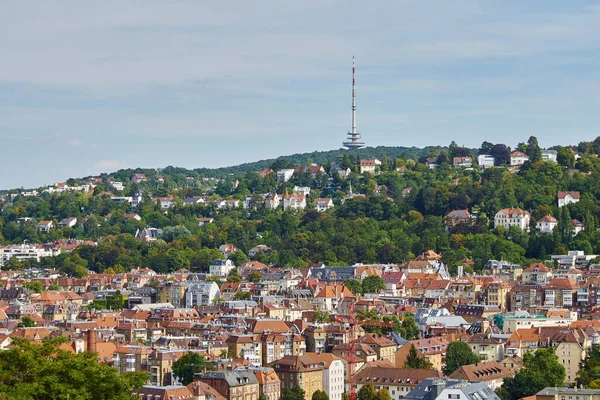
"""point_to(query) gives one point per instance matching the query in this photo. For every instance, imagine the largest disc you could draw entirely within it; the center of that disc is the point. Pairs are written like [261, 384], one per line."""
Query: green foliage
[458, 354]
[26, 322]
[414, 361]
[320, 395]
[354, 285]
[373, 284]
[589, 369]
[242, 296]
[295, 393]
[368, 392]
[35, 286]
[188, 365]
[254, 277]
[540, 370]
[320, 316]
[43, 371]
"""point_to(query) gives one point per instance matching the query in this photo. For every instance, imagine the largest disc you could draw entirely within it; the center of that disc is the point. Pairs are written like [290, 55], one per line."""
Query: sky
[89, 87]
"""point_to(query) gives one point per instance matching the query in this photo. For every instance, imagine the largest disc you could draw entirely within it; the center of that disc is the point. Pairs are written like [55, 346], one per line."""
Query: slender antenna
[353, 141]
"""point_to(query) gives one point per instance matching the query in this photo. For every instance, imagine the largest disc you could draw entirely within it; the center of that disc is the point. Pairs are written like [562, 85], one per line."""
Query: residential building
[546, 224]
[269, 384]
[564, 393]
[330, 297]
[45, 226]
[323, 204]
[397, 381]
[333, 374]
[369, 166]
[456, 217]
[487, 347]
[492, 373]
[294, 201]
[485, 161]
[201, 293]
[67, 223]
[549, 155]
[462, 162]
[245, 346]
[233, 385]
[566, 198]
[518, 158]
[577, 226]
[304, 190]
[302, 371]
[164, 392]
[508, 217]
[445, 388]
[537, 273]
[285, 175]
[221, 268]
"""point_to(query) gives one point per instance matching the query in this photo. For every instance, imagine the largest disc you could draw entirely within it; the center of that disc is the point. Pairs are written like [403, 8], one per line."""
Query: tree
[254, 277]
[589, 369]
[540, 370]
[367, 392]
[320, 395]
[44, 371]
[409, 329]
[373, 284]
[501, 154]
[533, 150]
[54, 286]
[295, 393]
[565, 157]
[320, 316]
[242, 296]
[238, 257]
[414, 361]
[188, 365]
[354, 285]
[35, 286]
[26, 322]
[458, 354]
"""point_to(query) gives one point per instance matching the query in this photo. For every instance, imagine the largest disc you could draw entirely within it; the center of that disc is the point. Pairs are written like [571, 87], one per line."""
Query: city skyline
[89, 88]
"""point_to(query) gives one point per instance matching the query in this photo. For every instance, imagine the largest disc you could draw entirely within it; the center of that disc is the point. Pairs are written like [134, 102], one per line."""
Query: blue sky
[89, 87]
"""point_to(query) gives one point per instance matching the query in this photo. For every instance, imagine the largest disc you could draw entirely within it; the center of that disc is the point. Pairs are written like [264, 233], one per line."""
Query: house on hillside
[45, 226]
[508, 217]
[518, 158]
[566, 198]
[546, 224]
[322, 205]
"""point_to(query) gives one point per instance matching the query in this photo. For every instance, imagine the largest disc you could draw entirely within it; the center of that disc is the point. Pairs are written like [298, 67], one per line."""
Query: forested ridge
[399, 214]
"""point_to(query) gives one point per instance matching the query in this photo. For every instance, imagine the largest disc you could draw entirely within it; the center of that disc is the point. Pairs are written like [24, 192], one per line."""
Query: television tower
[353, 141]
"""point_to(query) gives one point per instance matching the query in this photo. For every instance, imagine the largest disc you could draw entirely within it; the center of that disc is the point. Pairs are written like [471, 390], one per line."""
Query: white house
[294, 201]
[485, 160]
[546, 224]
[305, 190]
[462, 162]
[117, 185]
[577, 226]
[549, 155]
[285, 175]
[322, 205]
[272, 201]
[565, 198]
[333, 374]
[369, 165]
[221, 268]
[45, 226]
[518, 158]
[67, 222]
[508, 217]
[201, 293]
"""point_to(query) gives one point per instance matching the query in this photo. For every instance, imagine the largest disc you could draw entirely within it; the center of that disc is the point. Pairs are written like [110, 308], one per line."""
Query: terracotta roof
[574, 194]
[481, 372]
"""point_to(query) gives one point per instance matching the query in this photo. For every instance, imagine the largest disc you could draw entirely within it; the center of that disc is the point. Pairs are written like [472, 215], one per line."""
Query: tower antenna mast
[353, 140]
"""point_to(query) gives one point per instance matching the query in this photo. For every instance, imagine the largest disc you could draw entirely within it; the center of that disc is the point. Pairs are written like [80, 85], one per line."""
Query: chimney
[437, 387]
[92, 340]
